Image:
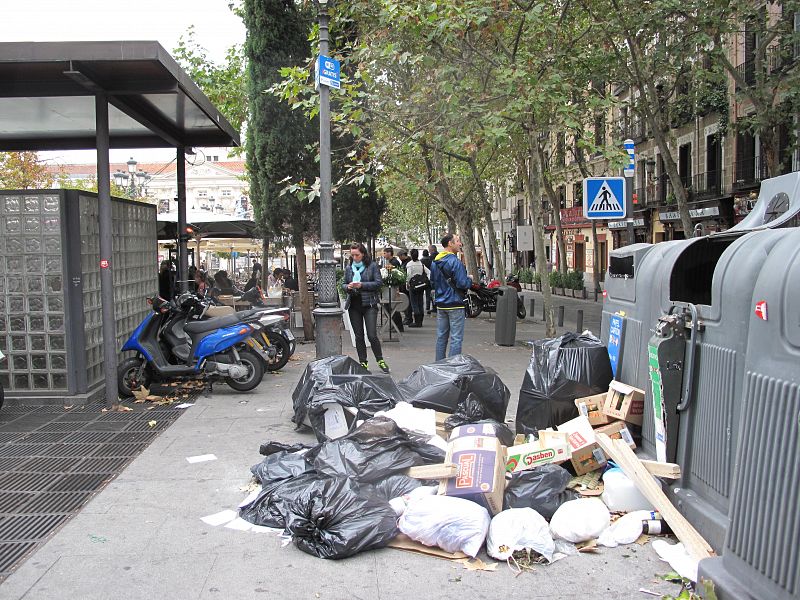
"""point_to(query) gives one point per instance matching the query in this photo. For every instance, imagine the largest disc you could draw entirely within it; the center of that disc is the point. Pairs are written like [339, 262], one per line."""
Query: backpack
[419, 283]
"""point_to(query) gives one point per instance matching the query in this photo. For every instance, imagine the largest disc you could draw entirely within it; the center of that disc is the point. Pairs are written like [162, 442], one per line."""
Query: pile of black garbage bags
[333, 499]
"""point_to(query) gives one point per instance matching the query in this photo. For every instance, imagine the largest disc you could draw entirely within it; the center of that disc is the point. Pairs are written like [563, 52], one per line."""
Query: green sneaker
[365, 364]
[384, 367]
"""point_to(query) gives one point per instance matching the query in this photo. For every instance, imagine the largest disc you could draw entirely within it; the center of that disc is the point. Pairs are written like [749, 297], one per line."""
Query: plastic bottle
[621, 494]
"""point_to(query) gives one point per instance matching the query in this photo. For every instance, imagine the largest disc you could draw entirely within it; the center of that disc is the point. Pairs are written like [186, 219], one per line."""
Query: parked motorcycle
[480, 299]
[274, 343]
[218, 348]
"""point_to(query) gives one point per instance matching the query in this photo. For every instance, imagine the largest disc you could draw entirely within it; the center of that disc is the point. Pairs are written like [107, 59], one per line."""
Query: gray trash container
[505, 327]
[761, 556]
[715, 275]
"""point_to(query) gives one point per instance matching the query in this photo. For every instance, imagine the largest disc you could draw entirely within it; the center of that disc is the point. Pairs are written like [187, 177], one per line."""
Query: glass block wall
[135, 265]
[50, 314]
[32, 332]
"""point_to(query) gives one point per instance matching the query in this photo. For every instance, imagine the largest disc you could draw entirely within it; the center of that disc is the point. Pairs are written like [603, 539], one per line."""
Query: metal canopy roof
[47, 98]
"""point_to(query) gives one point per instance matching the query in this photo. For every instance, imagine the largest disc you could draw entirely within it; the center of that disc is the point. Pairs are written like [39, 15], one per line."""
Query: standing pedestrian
[390, 261]
[426, 260]
[166, 280]
[418, 283]
[450, 282]
[362, 282]
[404, 260]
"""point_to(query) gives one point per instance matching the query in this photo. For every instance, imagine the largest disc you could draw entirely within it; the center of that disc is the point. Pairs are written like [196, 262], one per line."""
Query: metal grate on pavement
[53, 461]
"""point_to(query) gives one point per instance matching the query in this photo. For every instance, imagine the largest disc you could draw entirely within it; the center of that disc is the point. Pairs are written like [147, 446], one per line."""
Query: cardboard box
[618, 430]
[591, 407]
[481, 460]
[526, 456]
[586, 454]
[624, 402]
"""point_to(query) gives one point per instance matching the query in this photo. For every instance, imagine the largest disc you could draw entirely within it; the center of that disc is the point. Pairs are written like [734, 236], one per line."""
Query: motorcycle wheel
[521, 312]
[283, 352]
[255, 372]
[473, 306]
[292, 345]
[128, 378]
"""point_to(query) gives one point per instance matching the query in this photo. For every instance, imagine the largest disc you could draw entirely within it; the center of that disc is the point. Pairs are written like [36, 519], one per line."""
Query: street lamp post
[328, 315]
[134, 181]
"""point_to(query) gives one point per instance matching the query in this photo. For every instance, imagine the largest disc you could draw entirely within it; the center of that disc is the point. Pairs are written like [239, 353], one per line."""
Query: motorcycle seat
[211, 324]
[246, 314]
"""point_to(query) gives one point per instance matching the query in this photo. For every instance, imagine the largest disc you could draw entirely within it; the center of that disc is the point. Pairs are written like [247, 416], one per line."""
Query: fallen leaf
[589, 546]
[152, 423]
[476, 564]
[141, 393]
[643, 539]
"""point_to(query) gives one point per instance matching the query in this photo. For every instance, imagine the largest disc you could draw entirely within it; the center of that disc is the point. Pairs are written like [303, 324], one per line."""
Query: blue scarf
[358, 268]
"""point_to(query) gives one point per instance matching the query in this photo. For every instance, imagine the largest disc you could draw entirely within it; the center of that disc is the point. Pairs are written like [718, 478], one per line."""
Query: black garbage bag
[367, 394]
[316, 375]
[268, 448]
[393, 486]
[561, 369]
[371, 452]
[445, 384]
[280, 465]
[268, 508]
[542, 488]
[331, 520]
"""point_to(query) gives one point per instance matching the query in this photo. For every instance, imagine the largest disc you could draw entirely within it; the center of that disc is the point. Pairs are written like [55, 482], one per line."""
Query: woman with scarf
[362, 283]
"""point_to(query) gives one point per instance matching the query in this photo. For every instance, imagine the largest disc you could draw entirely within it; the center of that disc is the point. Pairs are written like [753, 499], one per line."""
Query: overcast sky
[217, 28]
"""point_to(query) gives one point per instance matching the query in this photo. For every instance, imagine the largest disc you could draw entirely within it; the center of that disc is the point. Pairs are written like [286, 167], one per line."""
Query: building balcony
[710, 184]
[749, 172]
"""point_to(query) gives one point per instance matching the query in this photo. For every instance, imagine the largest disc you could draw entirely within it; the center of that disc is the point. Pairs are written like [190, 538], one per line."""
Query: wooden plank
[630, 464]
[403, 542]
[440, 471]
[659, 469]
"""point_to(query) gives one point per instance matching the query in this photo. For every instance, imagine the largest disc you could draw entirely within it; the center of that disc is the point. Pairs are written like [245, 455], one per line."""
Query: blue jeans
[449, 324]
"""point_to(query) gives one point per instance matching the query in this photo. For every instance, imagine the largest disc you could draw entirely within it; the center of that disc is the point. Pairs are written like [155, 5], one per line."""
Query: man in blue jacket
[450, 280]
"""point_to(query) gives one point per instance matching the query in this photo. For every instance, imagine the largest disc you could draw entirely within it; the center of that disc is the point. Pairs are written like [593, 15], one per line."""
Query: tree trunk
[497, 256]
[555, 207]
[532, 181]
[305, 297]
[486, 254]
[465, 230]
[501, 198]
[654, 113]
[264, 262]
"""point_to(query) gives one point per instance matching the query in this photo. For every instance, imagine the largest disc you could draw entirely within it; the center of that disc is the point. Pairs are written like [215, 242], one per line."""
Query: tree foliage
[224, 83]
[24, 171]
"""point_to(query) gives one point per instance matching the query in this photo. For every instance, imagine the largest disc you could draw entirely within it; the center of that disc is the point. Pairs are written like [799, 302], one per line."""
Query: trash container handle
[689, 373]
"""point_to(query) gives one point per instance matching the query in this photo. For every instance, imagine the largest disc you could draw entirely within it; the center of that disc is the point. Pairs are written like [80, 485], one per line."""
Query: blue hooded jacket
[446, 269]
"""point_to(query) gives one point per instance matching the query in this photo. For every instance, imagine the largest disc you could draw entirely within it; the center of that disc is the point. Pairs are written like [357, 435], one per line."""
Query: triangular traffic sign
[605, 200]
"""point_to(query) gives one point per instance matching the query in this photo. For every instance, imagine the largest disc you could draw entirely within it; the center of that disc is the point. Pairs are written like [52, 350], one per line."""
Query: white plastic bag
[517, 529]
[677, 557]
[624, 530]
[452, 524]
[400, 503]
[580, 520]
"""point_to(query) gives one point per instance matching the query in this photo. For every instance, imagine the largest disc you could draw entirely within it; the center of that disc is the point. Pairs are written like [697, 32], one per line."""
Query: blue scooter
[217, 349]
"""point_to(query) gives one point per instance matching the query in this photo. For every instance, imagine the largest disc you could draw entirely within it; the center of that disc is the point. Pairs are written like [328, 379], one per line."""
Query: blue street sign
[616, 323]
[328, 72]
[604, 198]
[629, 170]
[234, 255]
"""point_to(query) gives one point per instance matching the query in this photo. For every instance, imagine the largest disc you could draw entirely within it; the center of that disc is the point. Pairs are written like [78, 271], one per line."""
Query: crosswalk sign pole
[628, 172]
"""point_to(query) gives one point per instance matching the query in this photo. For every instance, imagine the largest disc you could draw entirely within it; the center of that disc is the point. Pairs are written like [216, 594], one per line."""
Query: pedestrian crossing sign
[604, 198]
